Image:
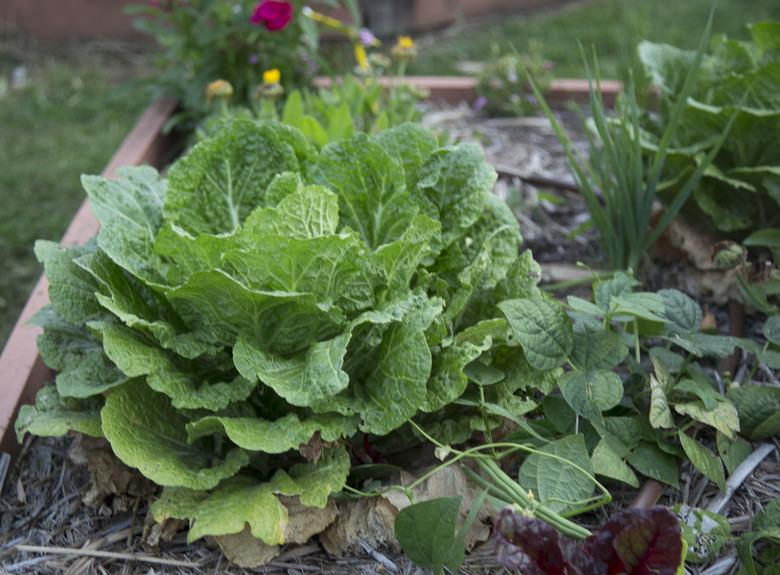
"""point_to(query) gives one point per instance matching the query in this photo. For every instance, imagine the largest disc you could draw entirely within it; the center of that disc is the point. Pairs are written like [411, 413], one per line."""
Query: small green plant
[504, 87]
[619, 181]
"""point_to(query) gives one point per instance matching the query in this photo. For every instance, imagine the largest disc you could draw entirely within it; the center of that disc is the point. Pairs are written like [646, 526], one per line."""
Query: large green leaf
[609, 464]
[71, 289]
[454, 188]
[53, 415]
[649, 460]
[316, 373]
[218, 308]
[180, 381]
[146, 432]
[370, 185]
[76, 354]
[286, 433]
[129, 210]
[542, 328]
[683, 314]
[410, 145]
[222, 179]
[723, 417]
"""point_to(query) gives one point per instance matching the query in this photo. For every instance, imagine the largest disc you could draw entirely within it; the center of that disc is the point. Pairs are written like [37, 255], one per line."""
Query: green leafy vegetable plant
[619, 181]
[235, 325]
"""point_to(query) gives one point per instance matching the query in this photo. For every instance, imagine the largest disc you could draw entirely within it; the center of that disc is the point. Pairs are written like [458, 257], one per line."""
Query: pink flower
[272, 14]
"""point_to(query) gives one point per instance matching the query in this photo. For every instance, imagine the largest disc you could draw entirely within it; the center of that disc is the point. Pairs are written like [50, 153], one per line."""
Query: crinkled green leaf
[146, 432]
[71, 289]
[181, 382]
[215, 186]
[83, 369]
[703, 460]
[400, 259]
[455, 188]
[283, 434]
[309, 212]
[542, 328]
[411, 146]
[448, 380]
[218, 307]
[333, 269]
[370, 185]
[53, 415]
[129, 210]
[140, 308]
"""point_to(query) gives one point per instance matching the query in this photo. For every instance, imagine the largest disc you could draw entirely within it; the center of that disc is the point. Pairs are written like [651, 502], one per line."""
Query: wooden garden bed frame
[23, 373]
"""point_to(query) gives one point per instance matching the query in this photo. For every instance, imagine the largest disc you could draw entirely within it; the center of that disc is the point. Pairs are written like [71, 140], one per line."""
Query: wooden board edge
[22, 372]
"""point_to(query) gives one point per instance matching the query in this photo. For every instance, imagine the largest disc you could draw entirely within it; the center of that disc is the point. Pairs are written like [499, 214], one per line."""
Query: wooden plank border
[456, 89]
[22, 372]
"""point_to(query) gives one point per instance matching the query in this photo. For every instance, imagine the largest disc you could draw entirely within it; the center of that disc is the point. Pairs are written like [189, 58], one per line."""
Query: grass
[614, 27]
[68, 120]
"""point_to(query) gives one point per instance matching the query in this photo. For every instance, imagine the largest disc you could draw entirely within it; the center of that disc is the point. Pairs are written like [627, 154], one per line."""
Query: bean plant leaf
[649, 460]
[597, 348]
[555, 481]
[732, 452]
[660, 414]
[759, 410]
[609, 464]
[542, 329]
[426, 532]
[591, 392]
[771, 329]
[724, 417]
[682, 314]
[703, 460]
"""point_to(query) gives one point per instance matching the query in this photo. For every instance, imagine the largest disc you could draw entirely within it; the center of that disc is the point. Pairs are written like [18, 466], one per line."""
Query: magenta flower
[272, 14]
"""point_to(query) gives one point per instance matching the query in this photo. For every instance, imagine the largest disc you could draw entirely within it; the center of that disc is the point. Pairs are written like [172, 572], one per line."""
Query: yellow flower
[405, 48]
[219, 89]
[272, 77]
[361, 57]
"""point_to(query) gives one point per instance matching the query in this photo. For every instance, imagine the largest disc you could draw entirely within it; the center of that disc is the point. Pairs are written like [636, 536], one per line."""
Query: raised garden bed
[119, 515]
